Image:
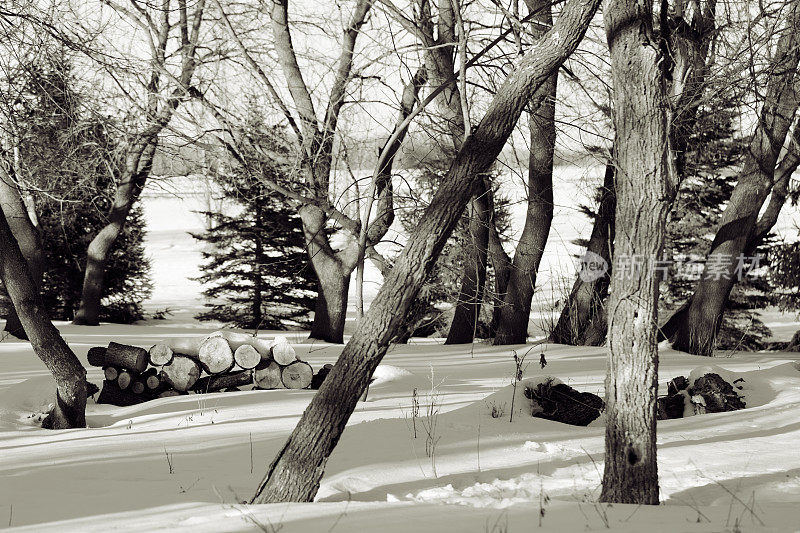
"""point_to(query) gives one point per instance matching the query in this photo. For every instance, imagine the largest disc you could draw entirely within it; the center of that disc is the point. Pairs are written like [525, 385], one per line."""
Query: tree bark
[645, 194]
[514, 314]
[694, 327]
[28, 238]
[296, 471]
[583, 319]
[69, 409]
[501, 263]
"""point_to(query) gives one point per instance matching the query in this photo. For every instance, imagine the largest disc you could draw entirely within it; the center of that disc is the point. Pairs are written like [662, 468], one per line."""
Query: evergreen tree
[68, 159]
[255, 263]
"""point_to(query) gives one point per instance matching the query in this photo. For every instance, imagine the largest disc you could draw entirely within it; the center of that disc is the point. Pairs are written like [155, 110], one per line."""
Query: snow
[186, 463]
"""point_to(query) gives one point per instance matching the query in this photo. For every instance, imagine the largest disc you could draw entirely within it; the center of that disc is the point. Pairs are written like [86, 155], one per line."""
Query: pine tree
[68, 158]
[255, 264]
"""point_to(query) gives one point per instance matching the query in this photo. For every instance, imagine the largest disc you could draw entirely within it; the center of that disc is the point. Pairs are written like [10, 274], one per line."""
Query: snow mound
[498, 494]
[26, 402]
[500, 402]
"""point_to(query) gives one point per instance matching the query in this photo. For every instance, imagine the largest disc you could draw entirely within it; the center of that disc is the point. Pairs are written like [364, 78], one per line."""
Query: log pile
[708, 394]
[222, 361]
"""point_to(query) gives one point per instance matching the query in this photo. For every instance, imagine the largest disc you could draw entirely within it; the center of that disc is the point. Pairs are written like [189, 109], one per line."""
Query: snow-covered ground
[187, 463]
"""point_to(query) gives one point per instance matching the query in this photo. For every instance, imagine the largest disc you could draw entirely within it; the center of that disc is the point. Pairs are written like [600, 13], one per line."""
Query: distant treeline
[181, 159]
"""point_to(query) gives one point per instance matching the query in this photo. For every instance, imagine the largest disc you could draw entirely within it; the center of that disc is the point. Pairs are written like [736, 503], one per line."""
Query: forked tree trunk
[333, 271]
[473, 280]
[644, 197]
[296, 471]
[694, 327]
[28, 238]
[69, 408]
[439, 60]
[514, 314]
[583, 320]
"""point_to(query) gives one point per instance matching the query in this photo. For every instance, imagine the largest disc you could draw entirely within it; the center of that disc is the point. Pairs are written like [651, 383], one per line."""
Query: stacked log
[709, 393]
[221, 361]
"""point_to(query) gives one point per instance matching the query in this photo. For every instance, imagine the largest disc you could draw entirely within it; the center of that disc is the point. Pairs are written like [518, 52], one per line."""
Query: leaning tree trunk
[296, 471]
[137, 170]
[28, 238]
[512, 326]
[439, 60]
[644, 196]
[694, 327]
[583, 319]
[473, 281]
[69, 409]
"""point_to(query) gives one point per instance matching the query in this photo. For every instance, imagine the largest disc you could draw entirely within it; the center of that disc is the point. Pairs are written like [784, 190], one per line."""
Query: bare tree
[694, 327]
[164, 92]
[295, 473]
[644, 196]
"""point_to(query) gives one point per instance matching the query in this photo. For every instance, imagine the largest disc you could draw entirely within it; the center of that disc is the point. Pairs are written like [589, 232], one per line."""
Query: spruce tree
[255, 263]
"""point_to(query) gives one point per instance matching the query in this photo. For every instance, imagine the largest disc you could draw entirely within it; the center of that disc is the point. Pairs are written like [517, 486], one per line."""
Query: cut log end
[283, 353]
[160, 354]
[216, 355]
[124, 379]
[181, 373]
[297, 375]
[267, 375]
[247, 357]
[111, 373]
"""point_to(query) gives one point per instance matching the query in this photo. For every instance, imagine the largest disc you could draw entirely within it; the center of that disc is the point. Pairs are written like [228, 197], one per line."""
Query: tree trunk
[694, 327]
[69, 409]
[470, 297]
[260, 260]
[516, 309]
[137, 170]
[645, 194]
[296, 471]
[28, 238]
[583, 320]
